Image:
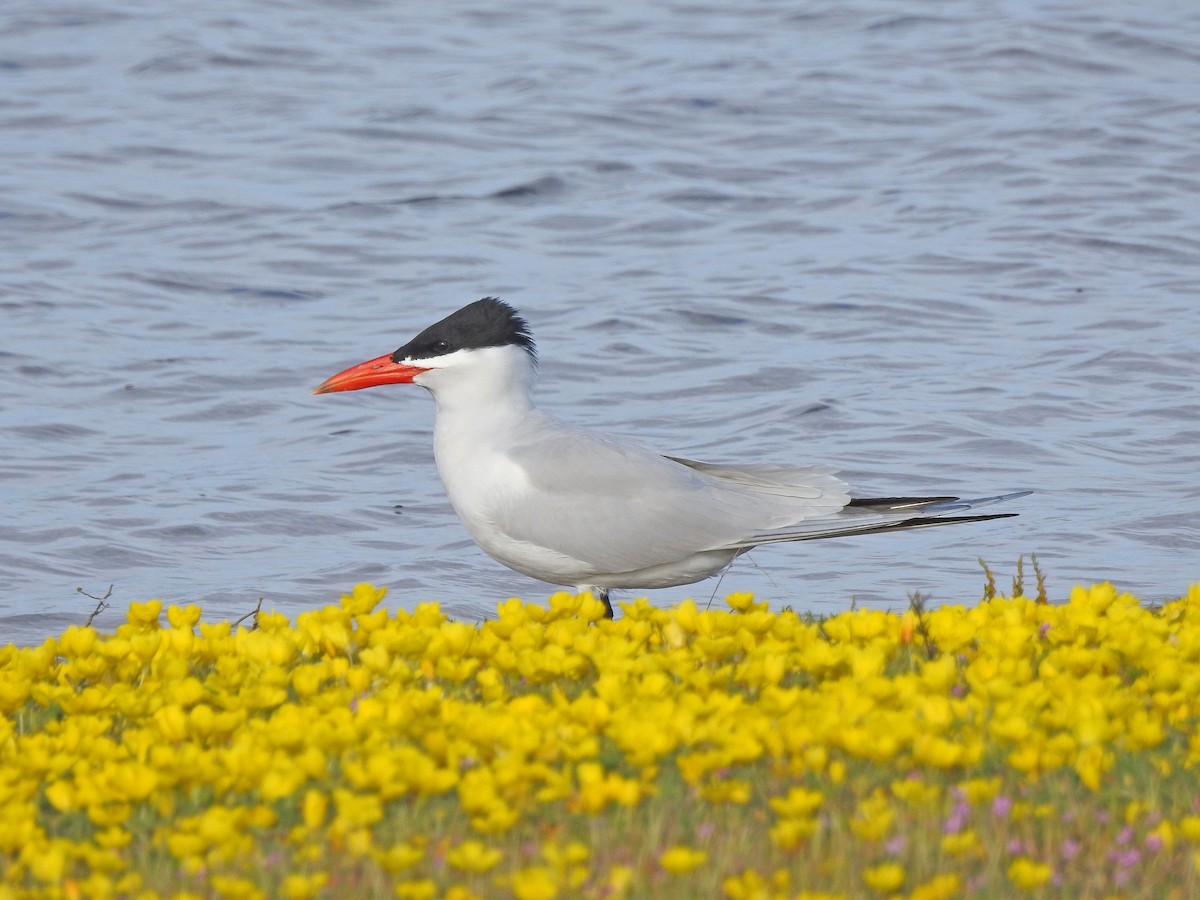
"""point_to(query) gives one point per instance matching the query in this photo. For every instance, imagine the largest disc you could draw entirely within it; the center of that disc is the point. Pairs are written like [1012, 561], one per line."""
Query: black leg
[608, 613]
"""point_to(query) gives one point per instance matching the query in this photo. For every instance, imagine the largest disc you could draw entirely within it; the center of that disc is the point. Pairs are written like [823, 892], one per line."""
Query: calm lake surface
[946, 248]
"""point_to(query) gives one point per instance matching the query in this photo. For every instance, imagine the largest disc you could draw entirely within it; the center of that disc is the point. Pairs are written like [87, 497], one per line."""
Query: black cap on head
[489, 322]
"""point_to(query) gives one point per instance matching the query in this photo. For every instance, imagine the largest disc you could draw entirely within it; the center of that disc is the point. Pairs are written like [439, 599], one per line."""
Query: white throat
[486, 383]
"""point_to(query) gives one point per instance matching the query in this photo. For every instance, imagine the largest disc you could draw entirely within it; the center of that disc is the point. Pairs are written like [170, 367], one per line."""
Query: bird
[574, 508]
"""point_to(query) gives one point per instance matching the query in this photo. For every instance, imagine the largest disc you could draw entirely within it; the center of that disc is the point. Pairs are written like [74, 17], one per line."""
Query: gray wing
[620, 506]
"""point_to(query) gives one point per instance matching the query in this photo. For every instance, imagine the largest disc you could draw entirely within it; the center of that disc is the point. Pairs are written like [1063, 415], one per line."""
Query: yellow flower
[363, 599]
[619, 882]
[355, 809]
[575, 853]
[77, 642]
[873, 817]
[105, 815]
[1027, 874]
[940, 887]
[934, 750]
[916, 792]
[837, 771]
[303, 887]
[237, 888]
[534, 883]
[48, 862]
[799, 802]
[1163, 833]
[747, 886]
[730, 791]
[474, 857]
[1091, 763]
[961, 843]
[674, 635]
[184, 844]
[788, 834]
[740, 602]
[145, 615]
[62, 796]
[1189, 827]
[421, 889]
[885, 877]
[399, 857]
[131, 781]
[979, 791]
[183, 618]
[113, 838]
[680, 860]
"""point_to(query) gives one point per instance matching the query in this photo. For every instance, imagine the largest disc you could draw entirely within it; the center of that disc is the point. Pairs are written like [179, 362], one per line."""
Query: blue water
[949, 248]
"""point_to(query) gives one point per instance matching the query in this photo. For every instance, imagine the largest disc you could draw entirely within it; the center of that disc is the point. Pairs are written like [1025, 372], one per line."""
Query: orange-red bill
[369, 374]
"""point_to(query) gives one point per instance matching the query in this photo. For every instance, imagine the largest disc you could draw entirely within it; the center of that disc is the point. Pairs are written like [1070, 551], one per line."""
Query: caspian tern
[574, 508]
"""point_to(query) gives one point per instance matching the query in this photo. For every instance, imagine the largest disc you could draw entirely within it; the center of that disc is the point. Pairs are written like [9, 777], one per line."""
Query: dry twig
[101, 605]
[254, 612]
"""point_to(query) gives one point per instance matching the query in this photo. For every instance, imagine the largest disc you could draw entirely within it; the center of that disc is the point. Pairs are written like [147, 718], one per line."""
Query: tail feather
[930, 505]
[879, 514]
[887, 504]
[866, 528]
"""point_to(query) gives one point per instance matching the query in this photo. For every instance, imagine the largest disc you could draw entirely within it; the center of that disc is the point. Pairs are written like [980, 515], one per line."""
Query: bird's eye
[441, 346]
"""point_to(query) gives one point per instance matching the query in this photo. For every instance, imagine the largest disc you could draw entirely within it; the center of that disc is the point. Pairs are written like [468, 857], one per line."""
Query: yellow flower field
[1008, 749]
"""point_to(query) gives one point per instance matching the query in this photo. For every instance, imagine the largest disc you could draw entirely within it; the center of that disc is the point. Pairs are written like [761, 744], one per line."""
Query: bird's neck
[484, 409]
[473, 433]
